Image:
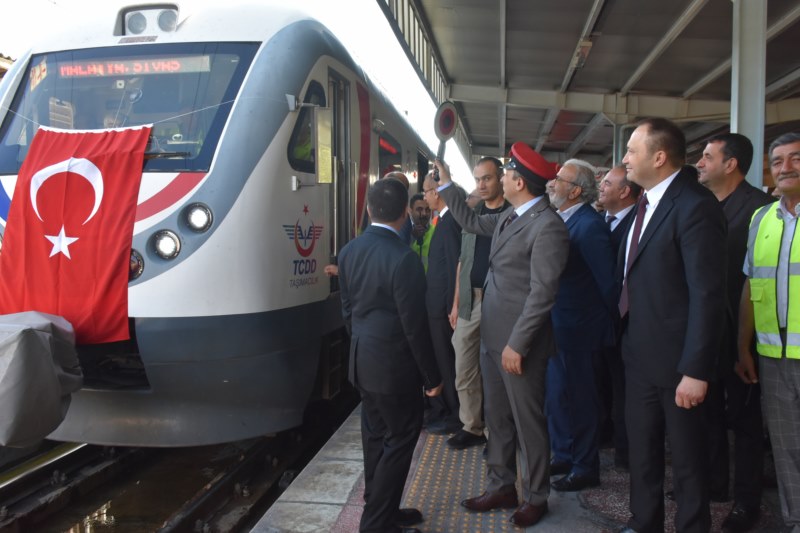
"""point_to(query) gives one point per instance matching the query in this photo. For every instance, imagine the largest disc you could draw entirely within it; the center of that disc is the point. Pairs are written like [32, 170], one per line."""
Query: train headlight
[199, 217]
[167, 244]
[135, 22]
[168, 20]
[136, 265]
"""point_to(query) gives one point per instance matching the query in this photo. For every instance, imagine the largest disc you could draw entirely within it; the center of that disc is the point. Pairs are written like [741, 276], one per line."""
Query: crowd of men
[656, 306]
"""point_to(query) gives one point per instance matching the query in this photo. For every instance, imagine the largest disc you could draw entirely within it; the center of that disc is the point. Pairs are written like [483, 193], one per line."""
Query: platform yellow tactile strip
[442, 479]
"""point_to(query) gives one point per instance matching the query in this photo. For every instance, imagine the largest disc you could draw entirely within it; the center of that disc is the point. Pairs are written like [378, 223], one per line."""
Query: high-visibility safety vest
[766, 232]
[422, 247]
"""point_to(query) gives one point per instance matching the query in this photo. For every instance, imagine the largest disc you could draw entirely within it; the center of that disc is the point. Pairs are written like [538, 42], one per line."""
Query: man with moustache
[465, 316]
[583, 322]
[672, 271]
[770, 308]
[529, 250]
[722, 169]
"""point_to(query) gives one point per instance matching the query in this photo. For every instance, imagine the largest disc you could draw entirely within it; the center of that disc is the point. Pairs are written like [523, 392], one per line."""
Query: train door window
[390, 154]
[301, 143]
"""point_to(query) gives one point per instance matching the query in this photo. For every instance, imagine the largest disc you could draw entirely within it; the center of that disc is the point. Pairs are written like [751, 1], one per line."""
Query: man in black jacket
[391, 356]
[722, 168]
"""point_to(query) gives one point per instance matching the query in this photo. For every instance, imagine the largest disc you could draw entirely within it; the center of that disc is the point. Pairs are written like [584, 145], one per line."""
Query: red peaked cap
[530, 164]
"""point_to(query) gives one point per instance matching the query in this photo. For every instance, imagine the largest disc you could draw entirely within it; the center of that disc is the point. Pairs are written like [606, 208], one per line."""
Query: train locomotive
[265, 138]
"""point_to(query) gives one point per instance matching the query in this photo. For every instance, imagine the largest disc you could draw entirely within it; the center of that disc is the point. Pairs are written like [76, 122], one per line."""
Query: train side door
[342, 208]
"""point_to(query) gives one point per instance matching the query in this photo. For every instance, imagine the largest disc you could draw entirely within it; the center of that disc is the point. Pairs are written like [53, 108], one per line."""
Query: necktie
[610, 219]
[435, 220]
[511, 218]
[637, 232]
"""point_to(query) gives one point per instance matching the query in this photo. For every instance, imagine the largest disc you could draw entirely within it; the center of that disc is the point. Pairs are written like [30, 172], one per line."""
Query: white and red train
[265, 138]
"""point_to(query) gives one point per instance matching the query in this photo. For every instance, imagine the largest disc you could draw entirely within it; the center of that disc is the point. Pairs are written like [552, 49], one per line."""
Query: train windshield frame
[186, 90]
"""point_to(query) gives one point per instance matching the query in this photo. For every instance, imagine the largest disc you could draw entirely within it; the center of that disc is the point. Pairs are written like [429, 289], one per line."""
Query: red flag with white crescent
[67, 244]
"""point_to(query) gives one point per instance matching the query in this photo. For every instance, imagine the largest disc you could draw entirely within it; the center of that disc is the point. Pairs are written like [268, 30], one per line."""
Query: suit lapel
[663, 208]
[500, 239]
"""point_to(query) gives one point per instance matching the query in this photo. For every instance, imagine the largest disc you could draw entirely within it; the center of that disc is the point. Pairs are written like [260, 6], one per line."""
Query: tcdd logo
[295, 233]
[304, 266]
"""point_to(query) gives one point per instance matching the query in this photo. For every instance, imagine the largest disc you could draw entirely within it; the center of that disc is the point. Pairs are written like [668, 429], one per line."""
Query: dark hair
[416, 198]
[636, 189]
[496, 162]
[735, 145]
[536, 188]
[665, 135]
[387, 200]
[786, 138]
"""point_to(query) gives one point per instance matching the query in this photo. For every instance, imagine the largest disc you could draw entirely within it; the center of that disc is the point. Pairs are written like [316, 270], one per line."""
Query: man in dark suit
[618, 196]
[722, 169]
[391, 357]
[583, 321]
[673, 301]
[528, 252]
[443, 253]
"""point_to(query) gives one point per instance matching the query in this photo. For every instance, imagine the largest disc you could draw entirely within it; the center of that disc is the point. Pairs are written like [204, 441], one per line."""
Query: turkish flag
[67, 244]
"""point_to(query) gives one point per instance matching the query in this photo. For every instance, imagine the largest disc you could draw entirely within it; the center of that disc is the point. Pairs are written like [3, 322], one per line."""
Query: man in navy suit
[673, 303]
[583, 325]
[391, 356]
[443, 253]
[618, 196]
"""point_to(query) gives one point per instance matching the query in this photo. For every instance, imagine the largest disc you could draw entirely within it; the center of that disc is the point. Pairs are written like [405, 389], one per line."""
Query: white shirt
[654, 196]
[568, 212]
[387, 227]
[619, 216]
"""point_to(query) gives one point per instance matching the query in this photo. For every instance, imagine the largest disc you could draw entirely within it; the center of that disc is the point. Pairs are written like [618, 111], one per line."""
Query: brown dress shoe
[505, 498]
[529, 514]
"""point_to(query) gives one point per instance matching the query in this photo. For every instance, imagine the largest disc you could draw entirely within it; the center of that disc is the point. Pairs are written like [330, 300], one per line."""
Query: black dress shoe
[528, 514]
[559, 469]
[409, 530]
[740, 519]
[670, 495]
[464, 439]
[408, 517]
[505, 498]
[575, 482]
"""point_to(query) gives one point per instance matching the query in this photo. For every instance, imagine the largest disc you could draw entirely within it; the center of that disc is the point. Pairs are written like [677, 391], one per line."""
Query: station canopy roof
[560, 74]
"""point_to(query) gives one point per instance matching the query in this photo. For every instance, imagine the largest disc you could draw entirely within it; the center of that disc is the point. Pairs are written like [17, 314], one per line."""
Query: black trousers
[445, 406]
[610, 379]
[737, 406]
[649, 410]
[390, 427]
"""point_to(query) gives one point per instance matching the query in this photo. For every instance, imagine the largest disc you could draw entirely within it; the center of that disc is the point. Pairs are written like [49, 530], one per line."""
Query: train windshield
[185, 90]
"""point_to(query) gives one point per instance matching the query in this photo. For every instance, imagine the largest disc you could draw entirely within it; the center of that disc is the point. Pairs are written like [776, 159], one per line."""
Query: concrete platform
[327, 496]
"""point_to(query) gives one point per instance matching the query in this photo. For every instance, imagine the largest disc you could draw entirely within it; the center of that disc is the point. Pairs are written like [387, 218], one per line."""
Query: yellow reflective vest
[766, 232]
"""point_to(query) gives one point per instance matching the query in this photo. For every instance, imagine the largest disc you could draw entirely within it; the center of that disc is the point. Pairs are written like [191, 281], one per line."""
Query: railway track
[76, 487]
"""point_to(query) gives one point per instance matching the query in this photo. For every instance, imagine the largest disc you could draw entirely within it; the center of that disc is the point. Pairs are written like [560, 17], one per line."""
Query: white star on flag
[60, 243]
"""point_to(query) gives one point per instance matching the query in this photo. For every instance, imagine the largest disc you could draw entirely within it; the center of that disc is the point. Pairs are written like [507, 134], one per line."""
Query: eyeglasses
[559, 178]
[426, 191]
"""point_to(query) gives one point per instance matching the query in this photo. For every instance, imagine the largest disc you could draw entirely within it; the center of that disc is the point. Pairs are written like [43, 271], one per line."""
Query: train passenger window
[186, 90]
[301, 143]
[390, 154]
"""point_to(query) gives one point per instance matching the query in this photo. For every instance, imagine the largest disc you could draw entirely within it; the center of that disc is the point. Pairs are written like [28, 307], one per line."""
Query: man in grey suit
[529, 249]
